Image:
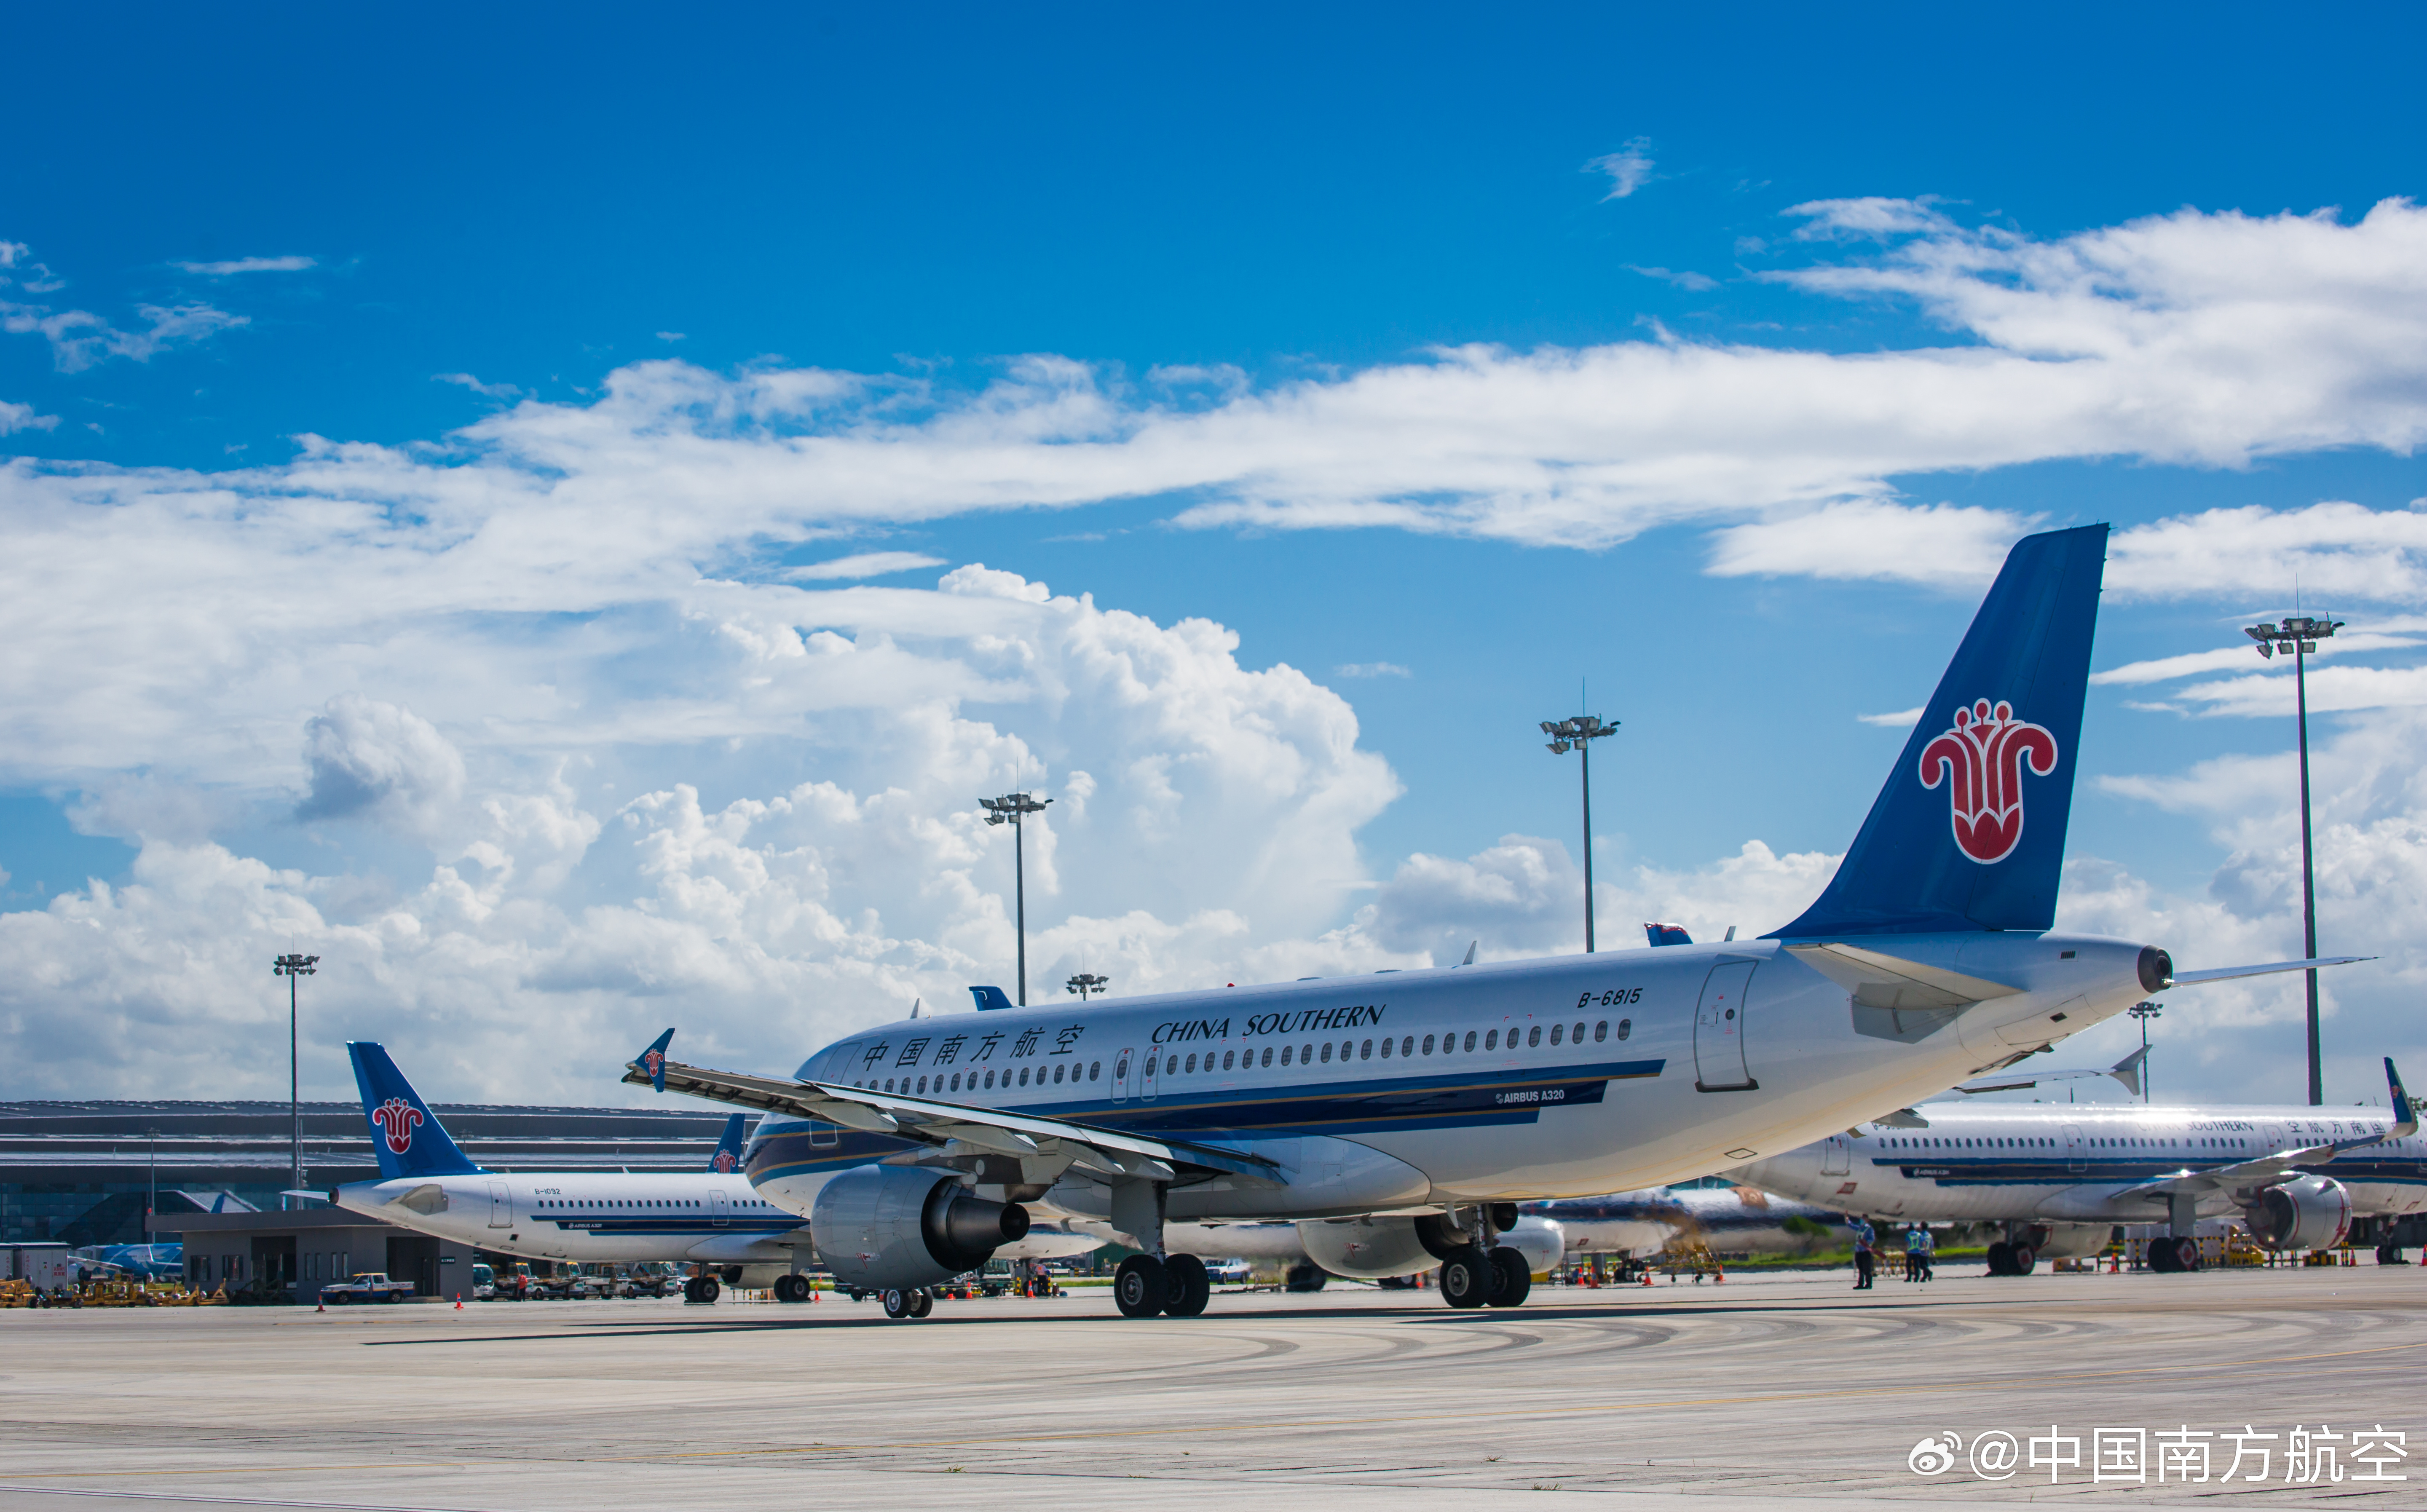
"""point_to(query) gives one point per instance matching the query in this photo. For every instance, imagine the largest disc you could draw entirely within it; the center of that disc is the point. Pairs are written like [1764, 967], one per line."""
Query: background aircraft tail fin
[405, 1134]
[2128, 1070]
[1667, 934]
[728, 1149]
[2405, 1118]
[1969, 832]
[990, 998]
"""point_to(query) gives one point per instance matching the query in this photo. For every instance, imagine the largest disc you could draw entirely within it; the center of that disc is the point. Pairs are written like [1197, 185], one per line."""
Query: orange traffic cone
[458, 1301]
[322, 1307]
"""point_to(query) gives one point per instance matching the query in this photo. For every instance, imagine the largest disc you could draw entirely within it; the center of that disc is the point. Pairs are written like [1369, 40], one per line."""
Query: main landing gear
[792, 1289]
[1175, 1284]
[916, 1303]
[1476, 1272]
[702, 1289]
[2011, 1259]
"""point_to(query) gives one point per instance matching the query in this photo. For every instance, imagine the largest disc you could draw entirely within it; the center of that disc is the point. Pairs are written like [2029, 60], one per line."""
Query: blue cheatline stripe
[659, 1228]
[2095, 1172]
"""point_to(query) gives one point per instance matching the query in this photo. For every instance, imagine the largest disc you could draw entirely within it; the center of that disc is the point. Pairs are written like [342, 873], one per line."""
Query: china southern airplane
[711, 1218]
[1433, 1101]
[2060, 1176]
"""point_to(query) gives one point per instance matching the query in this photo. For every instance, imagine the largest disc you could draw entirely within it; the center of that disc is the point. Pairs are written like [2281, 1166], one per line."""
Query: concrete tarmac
[1706, 1397]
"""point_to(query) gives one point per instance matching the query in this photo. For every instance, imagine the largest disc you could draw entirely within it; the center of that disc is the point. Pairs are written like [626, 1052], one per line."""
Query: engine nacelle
[892, 1228]
[2311, 1213]
[1372, 1248]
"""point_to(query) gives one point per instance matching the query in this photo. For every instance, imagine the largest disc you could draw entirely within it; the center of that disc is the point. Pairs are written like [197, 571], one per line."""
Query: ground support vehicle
[367, 1286]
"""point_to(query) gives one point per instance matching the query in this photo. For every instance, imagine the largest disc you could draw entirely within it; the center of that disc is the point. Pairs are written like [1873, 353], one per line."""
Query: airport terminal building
[83, 1173]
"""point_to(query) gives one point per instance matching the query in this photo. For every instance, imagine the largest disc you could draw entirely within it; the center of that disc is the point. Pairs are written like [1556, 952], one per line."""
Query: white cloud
[1903, 719]
[670, 335]
[251, 265]
[365, 758]
[492, 391]
[1371, 669]
[864, 564]
[1697, 281]
[1942, 544]
[79, 338]
[2245, 655]
[1629, 168]
[23, 417]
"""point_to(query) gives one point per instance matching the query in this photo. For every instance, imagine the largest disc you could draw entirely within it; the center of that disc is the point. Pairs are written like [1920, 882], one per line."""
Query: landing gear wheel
[1513, 1275]
[897, 1305]
[1467, 1277]
[1305, 1277]
[2020, 1258]
[2001, 1258]
[2187, 1255]
[792, 1289]
[1140, 1287]
[710, 1289]
[1187, 1284]
[923, 1302]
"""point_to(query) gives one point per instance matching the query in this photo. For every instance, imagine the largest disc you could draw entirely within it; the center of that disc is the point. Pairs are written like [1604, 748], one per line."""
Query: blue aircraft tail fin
[989, 998]
[405, 1134]
[1969, 832]
[2405, 1118]
[1667, 934]
[728, 1149]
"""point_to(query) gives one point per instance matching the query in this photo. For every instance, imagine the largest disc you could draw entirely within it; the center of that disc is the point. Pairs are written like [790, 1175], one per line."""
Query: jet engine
[895, 1228]
[1372, 1248]
[2308, 1212]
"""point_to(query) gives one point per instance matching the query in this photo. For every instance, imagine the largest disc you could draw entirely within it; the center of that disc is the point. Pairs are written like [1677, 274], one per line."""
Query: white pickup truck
[369, 1286]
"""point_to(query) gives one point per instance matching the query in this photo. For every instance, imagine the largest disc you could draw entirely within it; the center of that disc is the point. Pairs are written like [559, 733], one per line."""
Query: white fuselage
[2075, 1162]
[583, 1217]
[1408, 1091]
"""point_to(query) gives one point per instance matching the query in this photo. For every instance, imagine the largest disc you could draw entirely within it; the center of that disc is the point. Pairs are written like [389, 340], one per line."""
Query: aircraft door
[718, 1210]
[837, 1064]
[501, 1206]
[1836, 1156]
[1720, 1029]
[1146, 1082]
[2077, 1158]
[1121, 1075]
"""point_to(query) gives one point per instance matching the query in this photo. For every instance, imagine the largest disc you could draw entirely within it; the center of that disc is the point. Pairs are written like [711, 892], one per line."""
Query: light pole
[1578, 733]
[1010, 809]
[2144, 1011]
[151, 1181]
[2297, 637]
[1084, 983]
[291, 966]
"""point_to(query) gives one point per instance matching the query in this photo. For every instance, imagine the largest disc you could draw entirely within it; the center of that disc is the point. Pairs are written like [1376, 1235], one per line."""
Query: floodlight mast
[1578, 734]
[2297, 637]
[1086, 983]
[2144, 1011]
[1010, 809]
[290, 967]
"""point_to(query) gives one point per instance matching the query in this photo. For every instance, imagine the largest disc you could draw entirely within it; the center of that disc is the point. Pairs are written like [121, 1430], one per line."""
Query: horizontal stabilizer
[2229, 973]
[2126, 1070]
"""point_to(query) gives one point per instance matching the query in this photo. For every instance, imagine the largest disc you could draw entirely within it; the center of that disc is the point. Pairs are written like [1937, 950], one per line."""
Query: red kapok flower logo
[1982, 761]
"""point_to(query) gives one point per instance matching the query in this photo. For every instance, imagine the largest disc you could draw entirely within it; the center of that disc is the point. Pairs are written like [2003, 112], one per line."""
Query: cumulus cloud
[365, 758]
[1371, 669]
[251, 265]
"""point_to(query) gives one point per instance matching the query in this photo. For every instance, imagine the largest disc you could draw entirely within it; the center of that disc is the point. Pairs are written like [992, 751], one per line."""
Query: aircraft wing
[950, 1128]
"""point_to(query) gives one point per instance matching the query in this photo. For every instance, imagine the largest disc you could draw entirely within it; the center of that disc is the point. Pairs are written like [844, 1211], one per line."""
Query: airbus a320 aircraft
[1434, 1101]
[2058, 1176]
[711, 1218]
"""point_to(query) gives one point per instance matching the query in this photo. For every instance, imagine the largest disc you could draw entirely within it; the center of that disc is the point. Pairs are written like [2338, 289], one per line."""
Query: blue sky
[624, 251]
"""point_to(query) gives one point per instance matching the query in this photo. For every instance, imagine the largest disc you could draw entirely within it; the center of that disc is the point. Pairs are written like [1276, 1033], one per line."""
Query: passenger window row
[1063, 1071]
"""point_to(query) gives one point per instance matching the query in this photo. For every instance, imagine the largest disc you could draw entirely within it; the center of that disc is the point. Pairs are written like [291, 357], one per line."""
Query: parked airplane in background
[712, 1218]
[2061, 1175]
[1428, 1101]
[1731, 1220]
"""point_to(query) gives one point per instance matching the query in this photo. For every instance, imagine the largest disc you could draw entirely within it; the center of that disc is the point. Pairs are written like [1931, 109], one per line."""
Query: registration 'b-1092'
[1432, 1103]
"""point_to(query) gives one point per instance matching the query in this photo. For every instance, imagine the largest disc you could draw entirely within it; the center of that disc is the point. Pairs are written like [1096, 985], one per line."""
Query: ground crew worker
[1864, 1238]
[1913, 1252]
[1929, 1252]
